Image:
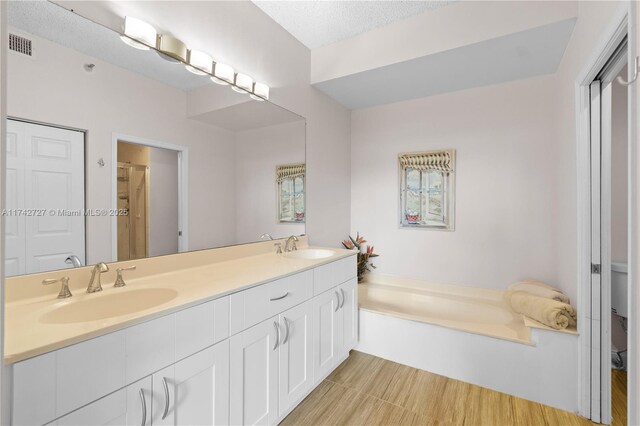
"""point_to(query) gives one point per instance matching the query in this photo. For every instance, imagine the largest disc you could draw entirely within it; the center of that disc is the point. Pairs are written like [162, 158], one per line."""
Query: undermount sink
[310, 254]
[99, 306]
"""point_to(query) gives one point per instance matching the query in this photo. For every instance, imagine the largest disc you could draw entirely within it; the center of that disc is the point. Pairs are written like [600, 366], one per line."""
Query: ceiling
[57, 24]
[319, 23]
[524, 54]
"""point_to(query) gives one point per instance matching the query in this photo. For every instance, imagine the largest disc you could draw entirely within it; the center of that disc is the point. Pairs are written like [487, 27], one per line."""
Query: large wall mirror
[115, 153]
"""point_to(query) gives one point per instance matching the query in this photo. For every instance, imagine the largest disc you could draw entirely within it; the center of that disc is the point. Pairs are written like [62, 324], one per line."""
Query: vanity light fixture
[260, 92]
[222, 74]
[171, 48]
[243, 83]
[199, 62]
[141, 35]
[138, 33]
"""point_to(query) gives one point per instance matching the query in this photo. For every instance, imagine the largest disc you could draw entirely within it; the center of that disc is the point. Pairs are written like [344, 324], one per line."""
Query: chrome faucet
[292, 239]
[94, 283]
[265, 236]
[73, 260]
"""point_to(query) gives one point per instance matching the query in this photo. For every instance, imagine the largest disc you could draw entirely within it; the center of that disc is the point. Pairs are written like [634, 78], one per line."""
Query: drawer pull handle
[277, 340]
[286, 326]
[279, 298]
[144, 408]
[342, 292]
[337, 304]
[166, 398]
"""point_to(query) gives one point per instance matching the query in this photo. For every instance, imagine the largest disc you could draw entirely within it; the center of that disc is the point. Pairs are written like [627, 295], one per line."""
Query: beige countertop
[28, 335]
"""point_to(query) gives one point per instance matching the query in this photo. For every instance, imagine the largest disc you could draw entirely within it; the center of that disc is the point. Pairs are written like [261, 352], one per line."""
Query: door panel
[254, 374]
[196, 391]
[296, 355]
[45, 173]
[327, 323]
[349, 308]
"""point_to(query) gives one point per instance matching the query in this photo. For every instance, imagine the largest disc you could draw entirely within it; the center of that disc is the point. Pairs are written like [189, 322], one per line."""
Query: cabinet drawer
[333, 274]
[256, 304]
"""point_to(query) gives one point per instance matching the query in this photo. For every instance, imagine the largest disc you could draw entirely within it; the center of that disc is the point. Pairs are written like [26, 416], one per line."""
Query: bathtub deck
[513, 328]
[369, 390]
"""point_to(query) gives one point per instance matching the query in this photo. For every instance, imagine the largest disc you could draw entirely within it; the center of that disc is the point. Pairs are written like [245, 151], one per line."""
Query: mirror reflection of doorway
[133, 198]
[147, 193]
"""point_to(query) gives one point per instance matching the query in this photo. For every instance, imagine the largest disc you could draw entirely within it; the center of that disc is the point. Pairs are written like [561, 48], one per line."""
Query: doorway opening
[150, 198]
[607, 299]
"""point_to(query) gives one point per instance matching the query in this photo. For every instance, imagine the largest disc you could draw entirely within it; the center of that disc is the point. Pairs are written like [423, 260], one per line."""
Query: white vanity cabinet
[246, 358]
[130, 406]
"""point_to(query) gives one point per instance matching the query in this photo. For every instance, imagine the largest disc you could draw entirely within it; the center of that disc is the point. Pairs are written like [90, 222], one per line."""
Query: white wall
[163, 200]
[52, 87]
[619, 172]
[258, 152]
[505, 178]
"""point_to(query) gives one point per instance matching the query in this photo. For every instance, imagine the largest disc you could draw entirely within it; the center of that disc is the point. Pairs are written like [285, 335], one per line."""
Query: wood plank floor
[366, 390]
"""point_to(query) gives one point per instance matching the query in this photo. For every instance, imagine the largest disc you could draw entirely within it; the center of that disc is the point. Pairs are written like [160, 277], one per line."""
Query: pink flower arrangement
[364, 254]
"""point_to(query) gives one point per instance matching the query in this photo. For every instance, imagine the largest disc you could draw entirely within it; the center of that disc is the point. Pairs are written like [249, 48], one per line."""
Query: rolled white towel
[540, 289]
[550, 312]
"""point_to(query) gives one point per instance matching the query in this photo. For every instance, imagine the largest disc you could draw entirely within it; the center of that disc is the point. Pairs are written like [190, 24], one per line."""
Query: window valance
[290, 171]
[432, 160]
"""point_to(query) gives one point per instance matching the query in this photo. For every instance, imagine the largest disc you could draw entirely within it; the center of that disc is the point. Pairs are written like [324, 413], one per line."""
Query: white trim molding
[183, 187]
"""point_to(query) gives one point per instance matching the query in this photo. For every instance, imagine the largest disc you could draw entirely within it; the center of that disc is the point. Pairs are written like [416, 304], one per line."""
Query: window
[427, 189]
[291, 180]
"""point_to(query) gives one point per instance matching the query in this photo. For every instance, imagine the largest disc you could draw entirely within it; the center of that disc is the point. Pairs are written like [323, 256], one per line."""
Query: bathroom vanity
[241, 340]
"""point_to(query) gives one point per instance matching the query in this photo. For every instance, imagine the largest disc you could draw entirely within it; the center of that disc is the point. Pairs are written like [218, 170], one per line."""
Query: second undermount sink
[103, 306]
[310, 254]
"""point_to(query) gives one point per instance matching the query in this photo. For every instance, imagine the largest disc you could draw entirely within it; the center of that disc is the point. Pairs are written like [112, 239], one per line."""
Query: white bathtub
[469, 334]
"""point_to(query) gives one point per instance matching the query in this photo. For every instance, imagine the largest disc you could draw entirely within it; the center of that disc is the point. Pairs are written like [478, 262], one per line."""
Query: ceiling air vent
[20, 44]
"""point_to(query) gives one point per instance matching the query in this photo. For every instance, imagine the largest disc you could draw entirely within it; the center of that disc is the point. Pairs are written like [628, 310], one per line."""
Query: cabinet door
[254, 374]
[327, 334]
[349, 307]
[194, 391]
[129, 406]
[296, 360]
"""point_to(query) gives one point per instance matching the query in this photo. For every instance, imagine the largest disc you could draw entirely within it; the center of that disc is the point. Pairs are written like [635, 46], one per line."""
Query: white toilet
[618, 314]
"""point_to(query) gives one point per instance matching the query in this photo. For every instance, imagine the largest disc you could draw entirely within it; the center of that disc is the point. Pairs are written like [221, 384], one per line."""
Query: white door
[328, 329]
[296, 360]
[194, 391]
[45, 179]
[349, 308]
[254, 375]
[130, 406]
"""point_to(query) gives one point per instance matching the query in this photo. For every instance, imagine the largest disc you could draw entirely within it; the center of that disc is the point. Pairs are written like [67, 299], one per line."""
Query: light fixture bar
[141, 35]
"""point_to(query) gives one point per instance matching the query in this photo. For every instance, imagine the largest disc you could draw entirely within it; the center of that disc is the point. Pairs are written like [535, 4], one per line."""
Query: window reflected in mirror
[291, 206]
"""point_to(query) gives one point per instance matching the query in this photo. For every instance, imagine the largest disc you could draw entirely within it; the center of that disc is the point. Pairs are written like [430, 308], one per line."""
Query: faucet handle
[64, 290]
[119, 280]
[278, 247]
